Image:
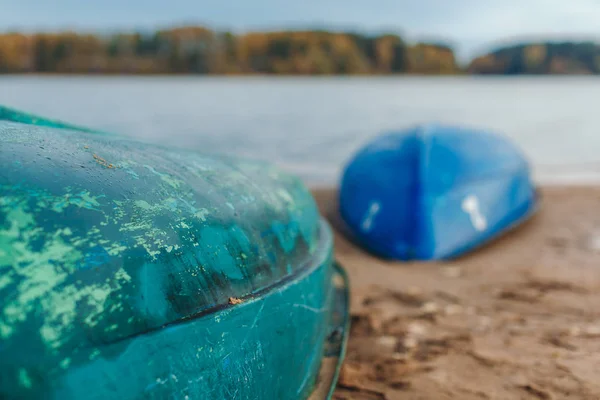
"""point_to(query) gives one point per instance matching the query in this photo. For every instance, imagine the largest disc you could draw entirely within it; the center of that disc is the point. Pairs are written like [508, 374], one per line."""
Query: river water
[311, 126]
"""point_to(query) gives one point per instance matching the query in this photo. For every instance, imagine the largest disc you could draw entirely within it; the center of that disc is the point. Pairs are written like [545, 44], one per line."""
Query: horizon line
[485, 47]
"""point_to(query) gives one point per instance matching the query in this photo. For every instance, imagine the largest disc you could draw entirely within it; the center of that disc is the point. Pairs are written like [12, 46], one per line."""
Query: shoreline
[517, 318]
[358, 76]
[328, 190]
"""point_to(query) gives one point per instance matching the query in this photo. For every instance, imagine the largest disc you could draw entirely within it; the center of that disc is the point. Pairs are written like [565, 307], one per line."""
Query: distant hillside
[540, 58]
[197, 50]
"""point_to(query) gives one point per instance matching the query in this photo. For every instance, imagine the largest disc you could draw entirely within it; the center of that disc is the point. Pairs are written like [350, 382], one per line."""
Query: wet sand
[517, 319]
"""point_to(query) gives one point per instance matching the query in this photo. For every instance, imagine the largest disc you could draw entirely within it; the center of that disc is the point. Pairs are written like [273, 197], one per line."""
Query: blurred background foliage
[198, 50]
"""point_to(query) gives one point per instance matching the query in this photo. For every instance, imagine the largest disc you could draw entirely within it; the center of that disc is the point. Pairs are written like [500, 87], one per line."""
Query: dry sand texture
[517, 319]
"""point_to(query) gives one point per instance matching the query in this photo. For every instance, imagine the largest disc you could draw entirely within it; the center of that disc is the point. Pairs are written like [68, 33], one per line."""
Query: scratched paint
[104, 241]
[367, 221]
[262, 349]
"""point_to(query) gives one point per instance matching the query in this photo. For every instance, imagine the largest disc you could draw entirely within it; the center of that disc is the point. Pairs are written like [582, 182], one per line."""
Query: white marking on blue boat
[470, 205]
[367, 221]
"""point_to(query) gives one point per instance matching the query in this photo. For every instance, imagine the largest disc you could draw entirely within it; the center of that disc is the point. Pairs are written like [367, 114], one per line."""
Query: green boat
[130, 270]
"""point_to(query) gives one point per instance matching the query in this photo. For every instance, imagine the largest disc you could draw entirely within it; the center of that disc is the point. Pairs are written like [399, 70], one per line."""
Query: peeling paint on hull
[118, 261]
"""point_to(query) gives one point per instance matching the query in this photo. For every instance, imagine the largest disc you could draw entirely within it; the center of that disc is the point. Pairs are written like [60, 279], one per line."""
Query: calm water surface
[312, 125]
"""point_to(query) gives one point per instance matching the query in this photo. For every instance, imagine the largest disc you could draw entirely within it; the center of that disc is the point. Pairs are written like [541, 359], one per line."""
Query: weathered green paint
[122, 265]
[9, 114]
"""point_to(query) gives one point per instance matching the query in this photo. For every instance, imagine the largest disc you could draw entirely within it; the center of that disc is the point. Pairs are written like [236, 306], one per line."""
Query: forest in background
[198, 50]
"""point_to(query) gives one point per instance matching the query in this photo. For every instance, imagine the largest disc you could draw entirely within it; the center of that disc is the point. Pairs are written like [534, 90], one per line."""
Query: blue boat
[130, 270]
[435, 192]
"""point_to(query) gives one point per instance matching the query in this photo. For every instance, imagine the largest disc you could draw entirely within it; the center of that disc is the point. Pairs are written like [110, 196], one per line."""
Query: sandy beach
[517, 319]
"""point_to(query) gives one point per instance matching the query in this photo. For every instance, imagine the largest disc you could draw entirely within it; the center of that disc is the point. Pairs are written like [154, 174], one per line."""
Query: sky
[471, 26]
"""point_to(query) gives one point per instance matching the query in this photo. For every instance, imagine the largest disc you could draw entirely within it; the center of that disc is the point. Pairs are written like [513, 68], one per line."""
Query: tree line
[197, 50]
[540, 59]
